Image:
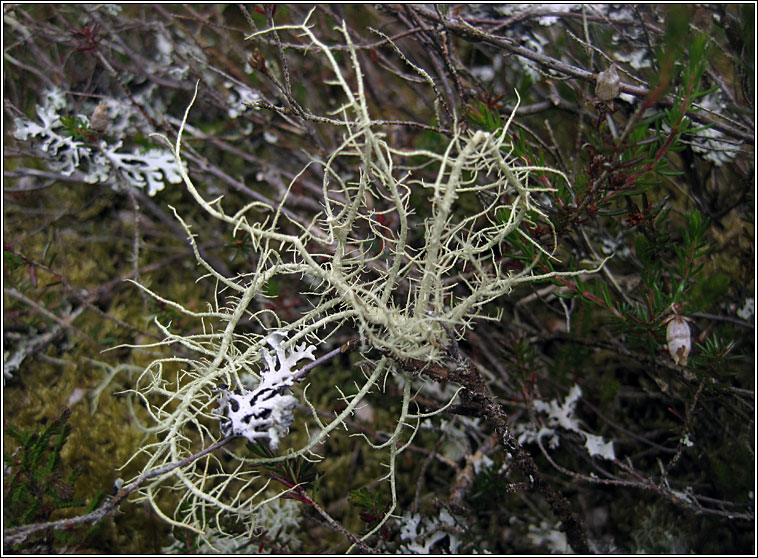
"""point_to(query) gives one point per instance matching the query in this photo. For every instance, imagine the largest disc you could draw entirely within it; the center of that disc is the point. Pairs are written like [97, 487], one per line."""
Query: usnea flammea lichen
[397, 298]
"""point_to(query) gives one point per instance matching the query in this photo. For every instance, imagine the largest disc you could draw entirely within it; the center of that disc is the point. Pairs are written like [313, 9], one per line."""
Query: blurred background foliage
[661, 176]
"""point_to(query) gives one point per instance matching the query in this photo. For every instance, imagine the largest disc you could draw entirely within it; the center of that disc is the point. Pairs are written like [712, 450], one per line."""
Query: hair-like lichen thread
[399, 298]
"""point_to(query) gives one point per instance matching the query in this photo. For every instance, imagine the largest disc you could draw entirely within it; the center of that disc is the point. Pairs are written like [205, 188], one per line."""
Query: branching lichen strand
[362, 275]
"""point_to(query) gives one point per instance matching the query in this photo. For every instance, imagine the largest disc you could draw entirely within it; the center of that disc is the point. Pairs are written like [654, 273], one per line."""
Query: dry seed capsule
[99, 120]
[678, 339]
[608, 84]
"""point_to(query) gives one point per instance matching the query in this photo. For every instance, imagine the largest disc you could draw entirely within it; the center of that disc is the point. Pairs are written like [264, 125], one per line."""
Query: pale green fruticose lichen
[404, 301]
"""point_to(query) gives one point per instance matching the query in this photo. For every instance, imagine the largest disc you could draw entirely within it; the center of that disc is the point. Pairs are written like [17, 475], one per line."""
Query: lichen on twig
[361, 274]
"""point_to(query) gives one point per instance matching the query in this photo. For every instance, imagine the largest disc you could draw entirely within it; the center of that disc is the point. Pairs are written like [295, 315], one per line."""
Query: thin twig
[466, 30]
[334, 524]
[18, 535]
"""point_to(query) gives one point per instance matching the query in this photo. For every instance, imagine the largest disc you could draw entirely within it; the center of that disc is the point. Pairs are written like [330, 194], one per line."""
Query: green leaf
[708, 91]
[709, 289]
[11, 260]
[643, 250]
[31, 513]
[316, 484]
[606, 295]
[676, 26]
[611, 212]
[19, 494]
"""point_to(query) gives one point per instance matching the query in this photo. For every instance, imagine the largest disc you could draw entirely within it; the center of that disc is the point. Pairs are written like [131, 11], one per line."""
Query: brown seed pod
[608, 84]
[99, 120]
[678, 339]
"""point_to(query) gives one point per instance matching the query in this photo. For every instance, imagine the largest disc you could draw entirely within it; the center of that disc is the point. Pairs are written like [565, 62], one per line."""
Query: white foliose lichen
[549, 536]
[419, 534]
[709, 143]
[241, 98]
[748, 309]
[101, 162]
[266, 411]
[65, 153]
[561, 415]
[143, 170]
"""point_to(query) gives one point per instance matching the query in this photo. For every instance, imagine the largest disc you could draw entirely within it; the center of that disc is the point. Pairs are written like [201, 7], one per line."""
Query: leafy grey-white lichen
[149, 170]
[266, 411]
